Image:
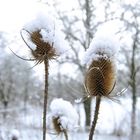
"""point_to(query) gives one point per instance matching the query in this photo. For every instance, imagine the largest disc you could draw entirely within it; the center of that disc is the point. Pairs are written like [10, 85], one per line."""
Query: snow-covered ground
[113, 123]
[35, 134]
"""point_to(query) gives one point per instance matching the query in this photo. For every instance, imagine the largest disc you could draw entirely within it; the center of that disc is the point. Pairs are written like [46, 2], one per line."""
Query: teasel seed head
[43, 50]
[44, 38]
[100, 77]
[57, 125]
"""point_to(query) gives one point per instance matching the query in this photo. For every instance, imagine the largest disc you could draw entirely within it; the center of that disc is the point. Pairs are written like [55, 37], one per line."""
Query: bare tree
[132, 27]
[15, 81]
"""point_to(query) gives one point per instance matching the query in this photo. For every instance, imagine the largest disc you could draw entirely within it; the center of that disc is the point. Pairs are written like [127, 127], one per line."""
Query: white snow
[82, 116]
[67, 114]
[15, 133]
[113, 116]
[107, 45]
[49, 30]
[113, 119]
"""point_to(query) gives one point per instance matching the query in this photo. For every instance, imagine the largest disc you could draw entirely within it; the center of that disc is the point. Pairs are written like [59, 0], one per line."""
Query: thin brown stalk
[65, 134]
[46, 63]
[94, 122]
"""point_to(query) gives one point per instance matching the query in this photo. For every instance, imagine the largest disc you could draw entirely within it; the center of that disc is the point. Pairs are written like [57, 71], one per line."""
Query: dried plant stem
[46, 63]
[65, 134]
[92, 130]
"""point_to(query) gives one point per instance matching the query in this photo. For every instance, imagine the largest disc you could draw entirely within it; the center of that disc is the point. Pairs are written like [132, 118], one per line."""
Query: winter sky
[14, 13]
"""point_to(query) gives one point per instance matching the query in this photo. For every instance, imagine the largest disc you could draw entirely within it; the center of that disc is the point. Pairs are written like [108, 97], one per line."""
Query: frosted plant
[100, 78]
[43, 36]
[46, 42]
[102, 46]
[64, 116]
[15, 134]
[101, 62]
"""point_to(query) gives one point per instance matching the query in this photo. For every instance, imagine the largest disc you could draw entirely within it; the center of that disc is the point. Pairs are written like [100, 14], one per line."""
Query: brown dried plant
[44, 50]
[100, 77]
[59, 128]
[99, 81]
[43, 53]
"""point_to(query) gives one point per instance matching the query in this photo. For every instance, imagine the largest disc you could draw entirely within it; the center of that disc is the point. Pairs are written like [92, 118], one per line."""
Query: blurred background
[22, 84]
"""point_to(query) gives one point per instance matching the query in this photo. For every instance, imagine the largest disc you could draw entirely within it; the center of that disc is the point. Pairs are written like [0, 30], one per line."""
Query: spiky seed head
[57, 125]
[100, 77]
[100, 58]
[43, 49]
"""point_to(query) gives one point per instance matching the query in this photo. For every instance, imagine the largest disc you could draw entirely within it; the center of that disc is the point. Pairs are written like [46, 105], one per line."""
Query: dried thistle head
[100, 77]
[44, 38]
[63, 115]
[43, 49]
[57, 125]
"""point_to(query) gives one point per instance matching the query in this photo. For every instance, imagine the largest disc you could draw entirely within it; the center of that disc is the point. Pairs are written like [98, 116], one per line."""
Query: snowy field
[111, 124]
[34, 134]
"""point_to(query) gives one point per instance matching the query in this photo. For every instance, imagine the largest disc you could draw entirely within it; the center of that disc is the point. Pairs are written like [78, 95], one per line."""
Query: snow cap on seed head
[49, 31]
[100, 78]
[62, 109]
[102, 45]
[15, 134]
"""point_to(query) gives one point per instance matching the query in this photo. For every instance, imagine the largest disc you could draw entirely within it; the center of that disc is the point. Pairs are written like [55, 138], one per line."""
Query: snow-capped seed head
[43, 49]
[47, 40]
[15, 134]
[102, 46]
[64, 115]
[100, 77]
[57, 125]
